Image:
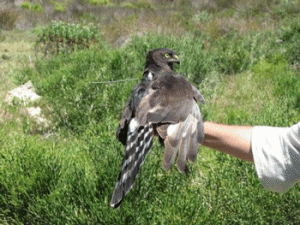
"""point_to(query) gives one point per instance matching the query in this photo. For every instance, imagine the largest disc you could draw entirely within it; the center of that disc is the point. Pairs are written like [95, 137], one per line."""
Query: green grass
[68, 178]
[19, 51]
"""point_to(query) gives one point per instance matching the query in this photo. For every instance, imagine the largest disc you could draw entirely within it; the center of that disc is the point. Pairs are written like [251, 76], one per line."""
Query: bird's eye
[167, 56]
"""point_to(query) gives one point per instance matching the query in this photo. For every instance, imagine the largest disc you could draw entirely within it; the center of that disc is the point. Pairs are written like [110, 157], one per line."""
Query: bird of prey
[162, 104]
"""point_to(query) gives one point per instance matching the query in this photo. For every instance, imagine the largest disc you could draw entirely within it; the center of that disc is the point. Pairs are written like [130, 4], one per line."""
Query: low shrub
[37, 8]
[289, 39]
[285, 9]
[99, 2]
[141, 4]
[236, 53]
[26, 5]
[32, 7]
[61, 37]
[59, 7]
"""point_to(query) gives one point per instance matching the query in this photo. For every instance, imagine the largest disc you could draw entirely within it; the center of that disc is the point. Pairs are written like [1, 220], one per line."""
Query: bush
[61, 37]
[285, 9]
[137, 5]
[289, 39]
[203, 16]
[236, 53]
[32, 7]
[26, 5]
[37, 8]
[59, 7]
[99, 2]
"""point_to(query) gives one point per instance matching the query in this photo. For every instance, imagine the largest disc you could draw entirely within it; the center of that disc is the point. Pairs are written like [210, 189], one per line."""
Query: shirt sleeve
[276, 156]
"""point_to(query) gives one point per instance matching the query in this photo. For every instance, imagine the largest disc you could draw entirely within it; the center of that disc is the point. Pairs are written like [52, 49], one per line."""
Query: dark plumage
[162, 104]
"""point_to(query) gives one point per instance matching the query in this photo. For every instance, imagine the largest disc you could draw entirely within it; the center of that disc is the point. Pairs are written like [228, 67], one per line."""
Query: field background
[242, 55]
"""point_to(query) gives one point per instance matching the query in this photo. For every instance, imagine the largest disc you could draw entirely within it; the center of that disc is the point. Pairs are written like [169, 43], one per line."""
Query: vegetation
[8, 19]
[59, 7]
[60, 37]
[25, 5]
[99, 2]
[65, 174]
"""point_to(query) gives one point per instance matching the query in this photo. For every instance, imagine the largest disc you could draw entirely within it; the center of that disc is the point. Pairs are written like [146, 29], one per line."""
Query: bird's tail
[139, 142]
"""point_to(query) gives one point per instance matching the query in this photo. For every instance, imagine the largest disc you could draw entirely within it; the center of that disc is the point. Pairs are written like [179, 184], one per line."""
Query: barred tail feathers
[139, 143]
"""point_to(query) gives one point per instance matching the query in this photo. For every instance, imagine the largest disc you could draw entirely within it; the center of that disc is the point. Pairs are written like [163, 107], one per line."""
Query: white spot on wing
[131, 145]
[155, 109]
[134, 124]
[172, 129]
[150, 76]
[125, 175]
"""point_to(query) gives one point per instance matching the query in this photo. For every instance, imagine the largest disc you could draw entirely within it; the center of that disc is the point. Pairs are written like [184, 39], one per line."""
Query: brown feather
[170, 154]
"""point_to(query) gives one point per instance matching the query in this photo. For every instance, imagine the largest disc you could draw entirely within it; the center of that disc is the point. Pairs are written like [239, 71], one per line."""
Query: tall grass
[69, 178]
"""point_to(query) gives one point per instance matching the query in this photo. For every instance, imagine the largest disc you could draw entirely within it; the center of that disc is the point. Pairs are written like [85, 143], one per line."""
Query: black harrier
[162, 104]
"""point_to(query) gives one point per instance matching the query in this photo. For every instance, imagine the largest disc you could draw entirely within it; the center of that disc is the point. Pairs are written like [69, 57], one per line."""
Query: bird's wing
[138, 141]
[171, 102]
[130, 110]
[197, 96]
[168, 99]
[182, 139]
[124, 122]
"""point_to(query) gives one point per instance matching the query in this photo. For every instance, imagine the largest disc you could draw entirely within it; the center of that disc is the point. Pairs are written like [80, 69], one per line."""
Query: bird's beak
[175, 59]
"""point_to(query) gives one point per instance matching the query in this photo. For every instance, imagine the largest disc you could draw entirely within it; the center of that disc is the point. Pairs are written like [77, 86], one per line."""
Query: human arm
[230, 139]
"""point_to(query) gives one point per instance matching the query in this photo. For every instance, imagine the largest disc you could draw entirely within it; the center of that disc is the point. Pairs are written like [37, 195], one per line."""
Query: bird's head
[162, 58]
